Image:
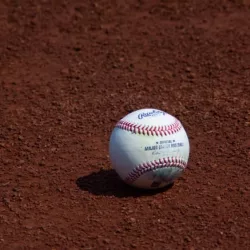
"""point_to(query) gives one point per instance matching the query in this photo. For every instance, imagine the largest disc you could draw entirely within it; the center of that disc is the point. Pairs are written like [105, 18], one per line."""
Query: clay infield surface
[69, 70]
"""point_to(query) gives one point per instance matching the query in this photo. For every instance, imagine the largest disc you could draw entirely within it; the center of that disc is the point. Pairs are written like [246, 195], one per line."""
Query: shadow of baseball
[106, 182]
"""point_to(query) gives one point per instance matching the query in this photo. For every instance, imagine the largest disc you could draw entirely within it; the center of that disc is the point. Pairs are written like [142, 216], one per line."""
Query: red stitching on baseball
[150, 130]
[153, 165]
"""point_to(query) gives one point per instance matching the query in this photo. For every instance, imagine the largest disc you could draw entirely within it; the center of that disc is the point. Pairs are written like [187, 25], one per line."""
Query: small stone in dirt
[20, 138]
[133, 220]
[65, 71]
[106, 241]
[191, 75]
[187, 238]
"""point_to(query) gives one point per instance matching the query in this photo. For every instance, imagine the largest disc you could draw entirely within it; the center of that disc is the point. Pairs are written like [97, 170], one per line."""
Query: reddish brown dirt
[69, 70]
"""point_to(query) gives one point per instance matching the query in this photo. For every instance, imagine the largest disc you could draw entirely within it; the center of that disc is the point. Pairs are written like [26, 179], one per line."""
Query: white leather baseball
[149, 148]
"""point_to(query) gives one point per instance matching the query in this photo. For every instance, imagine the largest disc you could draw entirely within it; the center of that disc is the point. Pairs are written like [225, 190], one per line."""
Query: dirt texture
[70, 69]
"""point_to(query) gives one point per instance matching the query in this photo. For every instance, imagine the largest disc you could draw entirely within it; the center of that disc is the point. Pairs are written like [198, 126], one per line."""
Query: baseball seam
[153, 165]
[150, 130]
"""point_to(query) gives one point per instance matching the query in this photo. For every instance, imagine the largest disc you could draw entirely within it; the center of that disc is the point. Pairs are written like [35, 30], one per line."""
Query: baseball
[149, 148]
